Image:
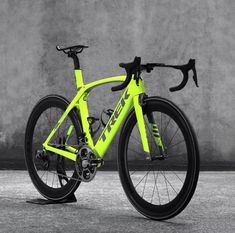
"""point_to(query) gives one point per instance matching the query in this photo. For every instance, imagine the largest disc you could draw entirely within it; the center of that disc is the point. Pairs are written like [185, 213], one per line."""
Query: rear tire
[44, 171]
[159, 200]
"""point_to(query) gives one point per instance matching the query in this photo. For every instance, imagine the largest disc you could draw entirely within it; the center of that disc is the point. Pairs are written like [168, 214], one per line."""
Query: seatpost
[77, 70]
[74, 56]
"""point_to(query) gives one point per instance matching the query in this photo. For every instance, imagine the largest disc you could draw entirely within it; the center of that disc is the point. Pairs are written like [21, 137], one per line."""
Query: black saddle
[74, 48]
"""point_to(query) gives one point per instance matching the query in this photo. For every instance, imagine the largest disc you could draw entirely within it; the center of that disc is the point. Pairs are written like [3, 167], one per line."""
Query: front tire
[159, 189]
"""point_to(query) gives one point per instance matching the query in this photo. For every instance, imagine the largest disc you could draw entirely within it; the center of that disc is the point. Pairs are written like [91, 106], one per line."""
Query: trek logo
[114, 117]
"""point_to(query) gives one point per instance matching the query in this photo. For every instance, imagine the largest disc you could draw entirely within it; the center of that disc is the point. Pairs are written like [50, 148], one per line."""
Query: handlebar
[135, 68]
[183, 68]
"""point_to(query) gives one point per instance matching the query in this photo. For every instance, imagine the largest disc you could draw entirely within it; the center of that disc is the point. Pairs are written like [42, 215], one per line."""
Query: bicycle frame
[129, 98]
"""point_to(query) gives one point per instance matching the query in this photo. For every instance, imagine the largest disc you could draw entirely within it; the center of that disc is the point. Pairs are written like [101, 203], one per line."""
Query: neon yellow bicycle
[158, 155]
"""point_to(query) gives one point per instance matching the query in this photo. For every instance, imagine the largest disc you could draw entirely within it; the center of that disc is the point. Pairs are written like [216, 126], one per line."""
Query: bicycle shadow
[166, 222]
[27, 202]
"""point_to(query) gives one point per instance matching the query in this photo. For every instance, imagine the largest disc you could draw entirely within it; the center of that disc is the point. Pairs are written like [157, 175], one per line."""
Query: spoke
[173, 137]
[144, 186]
[59, 174]
[157, 188]
[177, 176]
[143, 178]
[52, 126]
[49, 119]
[43, 174]
[132, 173]
[62, 132]
[136, 139]
[166, 180]
[142, 155]
[166, 185]
[53, 180]
[57, 181]
[163, 134]
[174, 173]
[153, 187]
[175, 144]
[46, 117]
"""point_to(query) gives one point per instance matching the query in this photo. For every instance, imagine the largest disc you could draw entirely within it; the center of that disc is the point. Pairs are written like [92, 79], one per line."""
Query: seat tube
[78, 78]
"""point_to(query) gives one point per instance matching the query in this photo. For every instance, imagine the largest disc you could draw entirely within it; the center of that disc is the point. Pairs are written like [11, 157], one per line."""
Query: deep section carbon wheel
[53, 175]
[160, 187]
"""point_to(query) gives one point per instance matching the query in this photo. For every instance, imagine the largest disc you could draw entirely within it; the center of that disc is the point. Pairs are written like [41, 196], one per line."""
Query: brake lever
[195, 75]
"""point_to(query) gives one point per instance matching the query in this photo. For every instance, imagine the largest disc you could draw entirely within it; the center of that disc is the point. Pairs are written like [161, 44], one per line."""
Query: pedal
[97, 162]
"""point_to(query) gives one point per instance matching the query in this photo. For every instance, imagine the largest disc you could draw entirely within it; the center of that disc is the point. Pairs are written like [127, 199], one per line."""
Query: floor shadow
[23, 200]
[166, 222]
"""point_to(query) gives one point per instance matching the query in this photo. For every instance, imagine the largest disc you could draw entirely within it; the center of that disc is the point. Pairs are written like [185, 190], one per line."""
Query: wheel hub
[43, 156]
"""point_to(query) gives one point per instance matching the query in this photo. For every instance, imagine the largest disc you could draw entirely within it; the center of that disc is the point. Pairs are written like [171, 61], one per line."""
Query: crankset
[87, 163]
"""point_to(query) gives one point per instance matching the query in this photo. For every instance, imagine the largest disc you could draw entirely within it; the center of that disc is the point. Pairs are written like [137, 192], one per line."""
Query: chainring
[85, 170]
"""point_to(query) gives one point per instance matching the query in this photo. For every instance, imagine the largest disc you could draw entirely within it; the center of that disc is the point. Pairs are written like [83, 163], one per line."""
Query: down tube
[114, 123]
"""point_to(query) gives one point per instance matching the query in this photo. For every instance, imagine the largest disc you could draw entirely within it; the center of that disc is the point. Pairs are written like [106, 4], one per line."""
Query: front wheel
[159, 188]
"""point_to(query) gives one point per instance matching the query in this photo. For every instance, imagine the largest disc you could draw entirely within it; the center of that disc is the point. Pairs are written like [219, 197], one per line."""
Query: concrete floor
[103, 207]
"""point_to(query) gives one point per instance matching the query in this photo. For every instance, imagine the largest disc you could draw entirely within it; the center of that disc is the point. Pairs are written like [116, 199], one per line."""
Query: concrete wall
[116, 31]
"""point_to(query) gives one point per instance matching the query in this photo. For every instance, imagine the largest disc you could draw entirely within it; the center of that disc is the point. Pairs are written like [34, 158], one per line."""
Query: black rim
[161, 195]
[45, 177]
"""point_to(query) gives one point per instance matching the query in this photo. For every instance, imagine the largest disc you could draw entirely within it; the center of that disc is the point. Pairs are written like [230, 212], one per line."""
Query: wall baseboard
[19, 164]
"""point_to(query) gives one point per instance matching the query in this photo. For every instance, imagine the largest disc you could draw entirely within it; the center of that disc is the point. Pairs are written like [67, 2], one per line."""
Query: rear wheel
[159, 188]
[54, 176]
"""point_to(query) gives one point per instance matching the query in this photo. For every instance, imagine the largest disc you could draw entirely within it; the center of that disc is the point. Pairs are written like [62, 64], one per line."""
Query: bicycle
[158, 155]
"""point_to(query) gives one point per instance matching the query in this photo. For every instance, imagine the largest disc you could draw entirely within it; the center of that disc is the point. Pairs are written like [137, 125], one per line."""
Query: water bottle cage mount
[108, 112]
[92, 120]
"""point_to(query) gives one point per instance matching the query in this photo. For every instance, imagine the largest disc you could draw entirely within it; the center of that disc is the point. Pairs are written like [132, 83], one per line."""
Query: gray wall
[158, 31]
